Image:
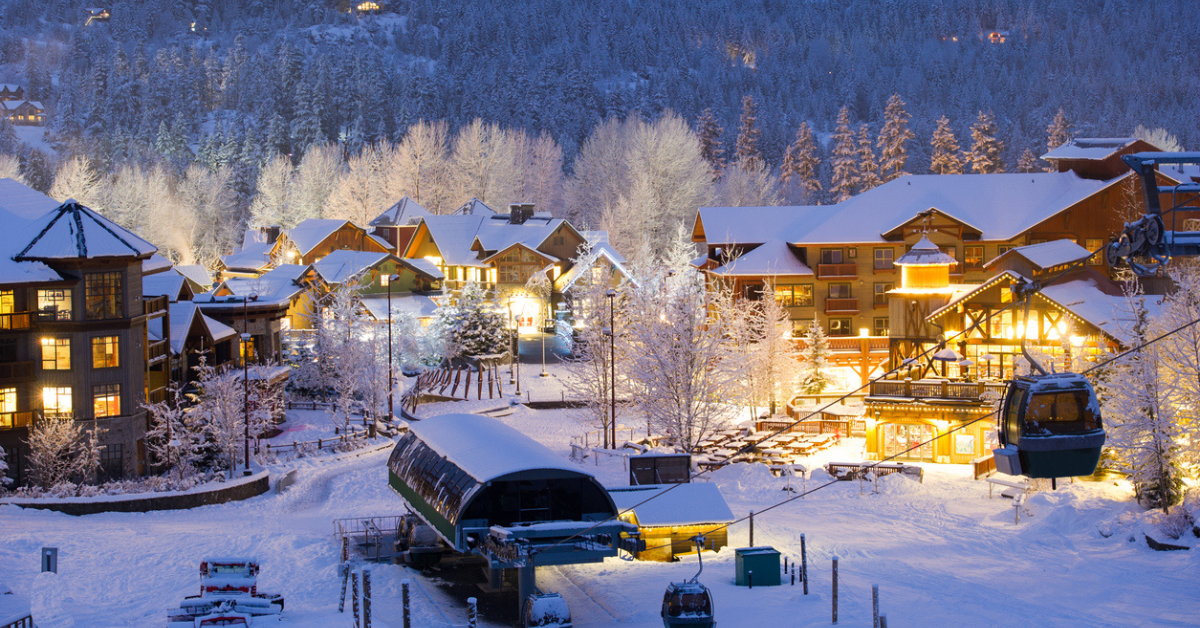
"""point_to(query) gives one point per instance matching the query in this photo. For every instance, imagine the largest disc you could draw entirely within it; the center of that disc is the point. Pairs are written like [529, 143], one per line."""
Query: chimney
[271, 233]
[518, 213]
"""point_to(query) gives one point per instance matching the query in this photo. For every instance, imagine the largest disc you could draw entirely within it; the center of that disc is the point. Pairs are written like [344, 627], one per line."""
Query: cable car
[689, 603]
[1050, 427]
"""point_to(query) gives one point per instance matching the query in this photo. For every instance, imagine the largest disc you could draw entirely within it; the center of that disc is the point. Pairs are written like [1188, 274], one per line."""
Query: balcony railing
[935, 389]
[15, 321]
[841, 305]
[155, 304]
[22, 371]
[825, 271]
[855, 344]
[157, 351]
[13, 420]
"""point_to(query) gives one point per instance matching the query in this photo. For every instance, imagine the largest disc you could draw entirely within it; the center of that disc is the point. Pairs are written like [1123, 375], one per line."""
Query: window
[112, 462]
[56, 402]
[794, 296]
[106, 400]
[6, 302]
[1003, 248]
[384, 278]
[1094, 244]
[841, 327]
[8, 400]
[104, 352]
[250, 348]
[54, 305]
[56, 354]
[102, 292]
[881, 326]
[973, 256]
[831, 256]
[883, 258]
[839, 291]
[881, 290]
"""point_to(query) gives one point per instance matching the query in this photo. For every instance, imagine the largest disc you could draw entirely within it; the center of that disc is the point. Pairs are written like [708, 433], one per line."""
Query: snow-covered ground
[942, 553]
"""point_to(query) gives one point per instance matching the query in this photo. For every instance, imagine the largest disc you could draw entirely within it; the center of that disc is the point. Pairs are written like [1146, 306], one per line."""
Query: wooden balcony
[935, 389]
[14, 420]
[857, 343]
[157, 351]
[841, 306]
[837, 271]
[16, 371]
[11, 322]
[155, 305]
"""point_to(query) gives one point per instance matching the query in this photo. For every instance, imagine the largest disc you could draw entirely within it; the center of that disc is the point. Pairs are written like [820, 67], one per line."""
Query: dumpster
[763, 561]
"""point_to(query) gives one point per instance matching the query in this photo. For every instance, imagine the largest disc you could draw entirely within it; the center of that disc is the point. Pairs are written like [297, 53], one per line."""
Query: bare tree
[220, 411]
[421, 167]
[63, 451]
[365, 189]
[76, 180]
[318, 174]
[590, 365]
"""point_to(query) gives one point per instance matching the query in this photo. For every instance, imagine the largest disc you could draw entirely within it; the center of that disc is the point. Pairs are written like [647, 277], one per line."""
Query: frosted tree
[709, 131]
[748, 152]
[747, 187]
[172, 441]
[845, 160]
[219, 412]
[540, 171]
[77, 180]
[589, 366]
[62, 451]
[365, 189]
[775, 357]
[344, 352]
[5, 481]
[986, 148]
[894, 138]
[482, 164]
[1058, 132]
[318, 174]
[422, 166]
[868, 167]
[275, 201]
[10, 168]
[814, 377]
[946, 158]
[800, 163]
[1027, 162]
[1158, 137]
[471, 326]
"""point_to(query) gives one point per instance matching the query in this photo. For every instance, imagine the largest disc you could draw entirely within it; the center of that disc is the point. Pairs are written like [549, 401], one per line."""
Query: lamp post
[391, 375]
[612, 362]
[245, 337]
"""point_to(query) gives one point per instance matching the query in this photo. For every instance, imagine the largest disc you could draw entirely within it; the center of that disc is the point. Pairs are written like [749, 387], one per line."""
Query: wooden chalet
[397, 224]
[11, 91]
[23, 112]
[313, 239]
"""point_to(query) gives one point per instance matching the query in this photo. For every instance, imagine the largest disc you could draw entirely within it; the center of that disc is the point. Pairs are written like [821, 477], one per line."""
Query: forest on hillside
[222, 88]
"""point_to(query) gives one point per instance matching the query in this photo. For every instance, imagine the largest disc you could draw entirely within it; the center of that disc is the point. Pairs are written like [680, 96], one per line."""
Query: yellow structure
[668, 520]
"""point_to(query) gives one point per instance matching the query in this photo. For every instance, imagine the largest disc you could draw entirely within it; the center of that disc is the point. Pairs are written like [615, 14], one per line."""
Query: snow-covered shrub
[5, 481]
[63, 451]
[471, 326]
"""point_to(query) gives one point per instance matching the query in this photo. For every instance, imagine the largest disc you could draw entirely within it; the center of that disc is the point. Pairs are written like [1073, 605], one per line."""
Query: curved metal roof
[486, 448]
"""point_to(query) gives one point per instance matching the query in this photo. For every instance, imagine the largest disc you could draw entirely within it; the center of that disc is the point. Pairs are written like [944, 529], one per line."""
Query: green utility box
[763, 561]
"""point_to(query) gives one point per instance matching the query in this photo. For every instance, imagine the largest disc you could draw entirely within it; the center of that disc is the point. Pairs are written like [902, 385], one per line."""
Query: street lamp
[612, 362]
[391, 376]
[245, 337]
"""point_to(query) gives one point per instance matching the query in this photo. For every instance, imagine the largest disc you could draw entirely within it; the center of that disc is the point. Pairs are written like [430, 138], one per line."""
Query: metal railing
[934, 389]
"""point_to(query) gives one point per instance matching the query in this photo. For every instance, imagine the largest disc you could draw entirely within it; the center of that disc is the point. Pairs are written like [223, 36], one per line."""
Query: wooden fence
[321, 443]
[446, 381]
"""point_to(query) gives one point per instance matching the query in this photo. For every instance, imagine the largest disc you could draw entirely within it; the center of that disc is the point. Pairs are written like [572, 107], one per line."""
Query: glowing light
[863, 332]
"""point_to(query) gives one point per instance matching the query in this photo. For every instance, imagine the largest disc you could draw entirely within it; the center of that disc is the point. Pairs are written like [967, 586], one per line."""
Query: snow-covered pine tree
[709, 130]
[986, 149]
[748, 152]
[1058, 132]
[5, 481]
[868, 167]
[170, 423]
[1027, 161]
[946, 158]
[814, 357]
[845, 159]
[893, 139]
[800, 163]
[471, 326]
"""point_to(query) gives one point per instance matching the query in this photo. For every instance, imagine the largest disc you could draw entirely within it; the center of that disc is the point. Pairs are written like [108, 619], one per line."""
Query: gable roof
[769, 258]
[405, 212]
[999, 206]
[277, 287]
[1089, 148]
[691, 503]
[474, 207]
[76, 232]
[496, 235]
[567, 280]
[343, 265]
[23, 201]
[312, 232]
[546, 256]
[196, 274]
[453, 236]
[422, 266]
[1046, 254]
[183, 314]
[155, 264]
[170, 285]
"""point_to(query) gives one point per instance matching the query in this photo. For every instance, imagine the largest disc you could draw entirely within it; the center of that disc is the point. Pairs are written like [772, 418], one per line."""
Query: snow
[1000, 206]
[74, 231]
[311, 232]
[1047, 254]
[12, 606]
[155, 264]
[163, 284]
[1085, 299]
[417, 305]
[343, 264]
[423, 266]
[405, 212]
[195, 273]
[1090, 148]
[23, 201]
[182, 315]
[277, 286]
[254, 257]
[453, 235]
[925, 253]
[691, 503]
[773, 257]
[486, 448]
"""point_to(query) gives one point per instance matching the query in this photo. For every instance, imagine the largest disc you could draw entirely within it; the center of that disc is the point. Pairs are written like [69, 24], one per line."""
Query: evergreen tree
[38, 172]
[471, 326]
[1027, 162]
[868, 168]
[709, 130]
[815, 360]
[4, 479]
[893, 139]
[801, 161]
[986, 149]
[748, 153]
[1059, 130]
[945, 158]
[845, 160]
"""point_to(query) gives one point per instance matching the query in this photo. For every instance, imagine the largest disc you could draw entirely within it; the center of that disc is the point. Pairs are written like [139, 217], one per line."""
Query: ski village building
[901, 270]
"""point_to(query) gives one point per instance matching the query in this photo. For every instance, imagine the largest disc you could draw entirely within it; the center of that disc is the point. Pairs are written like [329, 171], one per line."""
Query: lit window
[384, 279]
[1092, 245]
[6, 302]
[841, 327]
[106, 400]
[794, 296]
[56, 402]
[56, 354]
[973, 256]
[103, 292]
[104, 352]
[54, 305]
[8, 400]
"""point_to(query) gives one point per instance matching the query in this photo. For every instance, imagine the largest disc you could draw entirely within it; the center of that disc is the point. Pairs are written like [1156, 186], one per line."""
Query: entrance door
[899, 437]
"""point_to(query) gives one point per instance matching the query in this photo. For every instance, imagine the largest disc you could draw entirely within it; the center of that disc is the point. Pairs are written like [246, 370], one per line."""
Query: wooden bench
[994, 482]
[983, 466]
[857, 470]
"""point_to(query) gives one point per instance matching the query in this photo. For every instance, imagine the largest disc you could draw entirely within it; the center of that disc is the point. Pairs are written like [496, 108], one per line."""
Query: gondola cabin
[1050, 427]
[687, 604]
[465, 474]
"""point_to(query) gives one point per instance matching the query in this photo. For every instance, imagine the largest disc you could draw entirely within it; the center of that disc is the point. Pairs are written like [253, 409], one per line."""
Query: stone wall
[244, 489]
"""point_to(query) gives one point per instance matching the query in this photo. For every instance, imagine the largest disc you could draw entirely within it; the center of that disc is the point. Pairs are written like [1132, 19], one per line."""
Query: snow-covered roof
[474, 207]
[183, 314]
[1089, 148]
[254, 257]
[772, 257]
[925, 253]
[423, 266]
[14, 272]
[691, 503]
[195, 273]
[311, 232]
[486, 448]
[566, 280]
[1046, 254]
[999, 206]
[23, 201]
[155, 264]
[381, 241]
[453, 236]
[13, 607]
[405, 212]
[169, 285]
[342, 265]
[73, 231]
[498, 235]
[275, 287]
[406, 303]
